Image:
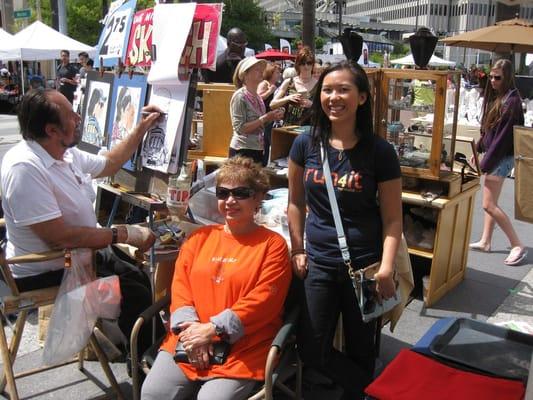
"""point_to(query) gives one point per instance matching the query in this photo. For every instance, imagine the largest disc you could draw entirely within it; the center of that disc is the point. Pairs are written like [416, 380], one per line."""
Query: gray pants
[166, 380]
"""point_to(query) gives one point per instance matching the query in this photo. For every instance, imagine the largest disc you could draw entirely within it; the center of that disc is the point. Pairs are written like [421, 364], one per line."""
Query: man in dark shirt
[66, 76]
[228, 60]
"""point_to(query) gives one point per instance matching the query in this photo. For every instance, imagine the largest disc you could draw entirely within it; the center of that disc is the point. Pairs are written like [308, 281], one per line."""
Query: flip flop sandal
[516, 256]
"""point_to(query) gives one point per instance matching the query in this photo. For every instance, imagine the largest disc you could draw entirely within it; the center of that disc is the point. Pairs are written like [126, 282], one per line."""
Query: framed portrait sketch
[95, 112]
[127, 101]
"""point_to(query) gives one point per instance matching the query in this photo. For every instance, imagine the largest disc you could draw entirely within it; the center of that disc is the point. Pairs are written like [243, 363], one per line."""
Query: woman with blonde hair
[502, 109]
[296, 93]
[248, 112]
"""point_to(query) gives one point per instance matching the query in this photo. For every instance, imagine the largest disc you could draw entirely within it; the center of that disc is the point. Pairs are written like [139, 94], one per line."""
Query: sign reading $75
[114, 37]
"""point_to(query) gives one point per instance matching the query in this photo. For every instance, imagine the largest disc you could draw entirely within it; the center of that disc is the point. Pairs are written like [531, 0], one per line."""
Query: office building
[444, 17]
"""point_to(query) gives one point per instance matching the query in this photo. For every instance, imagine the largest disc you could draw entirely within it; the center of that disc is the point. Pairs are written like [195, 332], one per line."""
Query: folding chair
[23, 302]
[282, 361]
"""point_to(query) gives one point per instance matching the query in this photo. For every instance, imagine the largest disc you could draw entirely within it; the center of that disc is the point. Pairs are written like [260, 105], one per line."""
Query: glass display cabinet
[417, 110]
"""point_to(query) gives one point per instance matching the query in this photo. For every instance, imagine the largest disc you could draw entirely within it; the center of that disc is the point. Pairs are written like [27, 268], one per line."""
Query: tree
[319, 42]
[308, 23]
[83, 17]
[248, 16]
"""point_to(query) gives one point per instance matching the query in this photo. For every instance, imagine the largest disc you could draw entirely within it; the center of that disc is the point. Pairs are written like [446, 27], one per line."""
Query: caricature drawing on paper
[162, 140]
[126, 112]
[154, 151]
[93, 131]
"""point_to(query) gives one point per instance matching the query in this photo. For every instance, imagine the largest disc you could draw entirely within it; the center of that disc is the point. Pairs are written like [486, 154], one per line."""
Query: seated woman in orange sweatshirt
[229, 284]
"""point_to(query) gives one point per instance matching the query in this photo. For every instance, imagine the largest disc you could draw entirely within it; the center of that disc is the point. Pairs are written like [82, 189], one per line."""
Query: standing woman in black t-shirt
[364, 167]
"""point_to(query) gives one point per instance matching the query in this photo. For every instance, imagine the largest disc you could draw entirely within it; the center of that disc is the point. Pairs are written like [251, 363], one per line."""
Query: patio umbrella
[511, 36]
[274, 55]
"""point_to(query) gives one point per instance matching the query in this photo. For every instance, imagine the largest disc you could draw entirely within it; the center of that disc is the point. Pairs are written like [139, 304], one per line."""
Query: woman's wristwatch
[219, 331]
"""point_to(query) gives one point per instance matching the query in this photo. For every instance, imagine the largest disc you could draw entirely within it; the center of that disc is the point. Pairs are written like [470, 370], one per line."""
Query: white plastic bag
[80, 301]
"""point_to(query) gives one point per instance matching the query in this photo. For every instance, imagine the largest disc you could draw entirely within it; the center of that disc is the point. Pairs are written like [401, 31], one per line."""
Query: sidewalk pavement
[491, 292]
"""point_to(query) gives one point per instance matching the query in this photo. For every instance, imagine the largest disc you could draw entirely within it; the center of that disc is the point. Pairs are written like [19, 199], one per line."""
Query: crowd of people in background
[68, 76]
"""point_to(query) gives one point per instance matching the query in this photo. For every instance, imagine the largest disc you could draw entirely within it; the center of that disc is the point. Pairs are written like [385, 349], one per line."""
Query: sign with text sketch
[201, 44]
[201, 47]
[140, 43]
[114, 38]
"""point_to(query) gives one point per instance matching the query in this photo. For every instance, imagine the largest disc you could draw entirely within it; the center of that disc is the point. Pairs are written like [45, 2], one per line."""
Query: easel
[142, 199]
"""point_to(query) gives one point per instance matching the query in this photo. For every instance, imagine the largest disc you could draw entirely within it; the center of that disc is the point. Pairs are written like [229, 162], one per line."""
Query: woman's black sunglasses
[239, 193]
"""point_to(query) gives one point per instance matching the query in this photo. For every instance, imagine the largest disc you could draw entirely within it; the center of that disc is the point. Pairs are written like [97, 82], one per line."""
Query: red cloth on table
[413, 376]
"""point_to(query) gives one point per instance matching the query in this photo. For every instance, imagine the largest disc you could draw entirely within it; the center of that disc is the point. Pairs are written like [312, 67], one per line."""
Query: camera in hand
[221, 350]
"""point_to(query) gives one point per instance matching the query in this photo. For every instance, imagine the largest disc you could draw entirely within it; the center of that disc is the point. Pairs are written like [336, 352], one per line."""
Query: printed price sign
[140, 43]
[114, 37]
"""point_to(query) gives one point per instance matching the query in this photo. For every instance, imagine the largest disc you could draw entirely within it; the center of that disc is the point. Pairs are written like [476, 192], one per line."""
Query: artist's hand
[150, 116]
[385, 285]
[199, 356]
[299, 265]
[196, 334]
[139, 236]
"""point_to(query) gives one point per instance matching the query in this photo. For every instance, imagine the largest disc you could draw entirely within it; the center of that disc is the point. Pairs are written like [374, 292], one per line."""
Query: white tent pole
[22, 73]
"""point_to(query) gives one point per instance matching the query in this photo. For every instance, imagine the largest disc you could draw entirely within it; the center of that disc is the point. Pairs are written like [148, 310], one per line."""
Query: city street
[490, 292]
[9, 133]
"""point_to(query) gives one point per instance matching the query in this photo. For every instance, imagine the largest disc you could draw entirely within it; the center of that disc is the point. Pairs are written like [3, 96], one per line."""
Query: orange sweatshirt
[249, 275]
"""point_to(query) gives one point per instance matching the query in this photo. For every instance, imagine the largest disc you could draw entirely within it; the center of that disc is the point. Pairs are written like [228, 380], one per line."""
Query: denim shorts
[504, 168]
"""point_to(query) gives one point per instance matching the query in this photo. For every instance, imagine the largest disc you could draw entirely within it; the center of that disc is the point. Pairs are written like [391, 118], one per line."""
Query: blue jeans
[328, 292]
[504, 167]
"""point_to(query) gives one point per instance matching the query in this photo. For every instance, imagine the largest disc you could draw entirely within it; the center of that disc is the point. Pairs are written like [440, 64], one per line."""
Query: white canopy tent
[433, 62]
[5, 37]
[40, 42]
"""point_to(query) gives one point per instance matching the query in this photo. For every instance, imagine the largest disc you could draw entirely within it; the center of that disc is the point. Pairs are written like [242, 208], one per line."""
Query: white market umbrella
[433, 62]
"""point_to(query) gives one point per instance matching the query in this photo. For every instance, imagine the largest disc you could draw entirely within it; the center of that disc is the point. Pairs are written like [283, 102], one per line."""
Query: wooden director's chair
[23, 302]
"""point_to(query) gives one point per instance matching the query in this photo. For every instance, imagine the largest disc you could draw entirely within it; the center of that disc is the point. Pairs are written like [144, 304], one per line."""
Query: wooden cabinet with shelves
[215, 122]
[418, 116]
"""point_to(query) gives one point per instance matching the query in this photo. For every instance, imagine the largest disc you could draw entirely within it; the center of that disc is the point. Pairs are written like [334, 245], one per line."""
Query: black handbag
[221, 351]
[363, 282]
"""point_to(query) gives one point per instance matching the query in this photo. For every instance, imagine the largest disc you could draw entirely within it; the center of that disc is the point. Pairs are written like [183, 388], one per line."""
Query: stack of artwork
[113, 103]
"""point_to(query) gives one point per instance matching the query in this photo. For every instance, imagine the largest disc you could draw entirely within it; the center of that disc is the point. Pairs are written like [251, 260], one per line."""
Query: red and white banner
[140, 42]
[201, 47]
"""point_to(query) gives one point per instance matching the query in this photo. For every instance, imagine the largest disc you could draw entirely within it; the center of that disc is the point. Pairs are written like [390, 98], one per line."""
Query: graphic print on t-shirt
[349, 182]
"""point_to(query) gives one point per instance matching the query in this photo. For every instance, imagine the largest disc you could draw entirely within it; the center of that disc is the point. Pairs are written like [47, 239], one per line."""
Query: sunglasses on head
[239, 193]
[495, 77]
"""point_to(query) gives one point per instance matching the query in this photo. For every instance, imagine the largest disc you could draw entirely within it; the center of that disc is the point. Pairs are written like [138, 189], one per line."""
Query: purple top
[497, 142]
